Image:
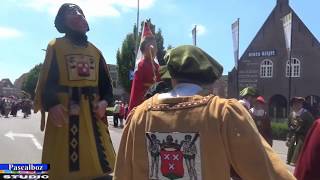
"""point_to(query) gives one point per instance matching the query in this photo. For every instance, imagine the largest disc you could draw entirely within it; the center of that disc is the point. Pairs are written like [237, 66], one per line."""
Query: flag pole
[238, 58]
[137, 30]
[195, 35]
[290, 69]
[235, 28]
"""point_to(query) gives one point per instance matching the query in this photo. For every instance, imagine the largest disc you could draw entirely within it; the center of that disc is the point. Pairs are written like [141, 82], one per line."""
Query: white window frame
[266, 69]
[295, 68]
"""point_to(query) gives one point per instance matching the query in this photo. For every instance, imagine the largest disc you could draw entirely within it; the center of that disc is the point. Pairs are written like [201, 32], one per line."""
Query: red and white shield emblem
[174, 155]
[172, 164]
[83, 69]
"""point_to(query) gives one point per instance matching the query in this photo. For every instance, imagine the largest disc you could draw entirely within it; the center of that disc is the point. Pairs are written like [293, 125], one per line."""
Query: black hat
[59, 21]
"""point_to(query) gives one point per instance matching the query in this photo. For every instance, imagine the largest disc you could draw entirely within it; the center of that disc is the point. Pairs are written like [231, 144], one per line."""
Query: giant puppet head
[148, 44]
[70, 19]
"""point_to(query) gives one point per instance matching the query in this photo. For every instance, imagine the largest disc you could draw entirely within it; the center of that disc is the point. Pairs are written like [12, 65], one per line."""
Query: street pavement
[21, 140]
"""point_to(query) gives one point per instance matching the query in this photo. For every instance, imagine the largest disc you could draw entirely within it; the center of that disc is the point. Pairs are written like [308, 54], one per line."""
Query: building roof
[273, 25]
[6, 83]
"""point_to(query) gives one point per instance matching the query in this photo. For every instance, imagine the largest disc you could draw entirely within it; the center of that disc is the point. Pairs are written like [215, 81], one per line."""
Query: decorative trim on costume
[105, 165]
[74, 164]
[81, 67]
[182, 105]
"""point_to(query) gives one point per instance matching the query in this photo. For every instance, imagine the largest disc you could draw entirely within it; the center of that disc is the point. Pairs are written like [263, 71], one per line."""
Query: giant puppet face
[70, 16]
[149, 47]
[75, 20]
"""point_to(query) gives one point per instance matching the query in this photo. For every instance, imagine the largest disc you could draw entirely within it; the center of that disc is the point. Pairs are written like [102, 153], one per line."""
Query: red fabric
[143, 76]
[146, 31]
[122, 113]
[261, 100]
[172, 164]
[308, 165]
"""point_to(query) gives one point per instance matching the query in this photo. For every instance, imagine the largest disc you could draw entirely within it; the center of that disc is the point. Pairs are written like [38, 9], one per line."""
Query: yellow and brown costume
[226, 136]
[81, 149]
[188, 134]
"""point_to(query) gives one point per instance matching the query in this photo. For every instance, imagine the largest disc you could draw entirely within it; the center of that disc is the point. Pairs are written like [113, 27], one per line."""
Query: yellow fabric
[64, 49]
[227, 137]
[43, 77]
[56, 141]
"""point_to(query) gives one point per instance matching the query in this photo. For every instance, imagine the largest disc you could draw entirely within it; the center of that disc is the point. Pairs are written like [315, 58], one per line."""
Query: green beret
[248, 91]
[190, 63]
[164, 73]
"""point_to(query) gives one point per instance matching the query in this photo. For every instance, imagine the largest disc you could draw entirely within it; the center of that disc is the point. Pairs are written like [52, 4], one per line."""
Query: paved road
[21, 140]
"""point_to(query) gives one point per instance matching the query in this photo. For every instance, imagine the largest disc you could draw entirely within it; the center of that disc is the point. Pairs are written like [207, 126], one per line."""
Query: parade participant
[261, 119]
[299, 122]
[248, 96]
[14, 108]
[74, 87]
[7, 107]
[201, 135]
[116, 112]
[147, 70]
[126, 108]
[26, 107]
[308, 164]
[121, 114]
[1, 105]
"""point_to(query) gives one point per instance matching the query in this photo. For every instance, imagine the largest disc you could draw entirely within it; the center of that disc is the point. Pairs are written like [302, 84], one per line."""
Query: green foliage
[279, 130]
[126, 60]
[126, 54]
[29, 84]
[169, 47]
[161, 51]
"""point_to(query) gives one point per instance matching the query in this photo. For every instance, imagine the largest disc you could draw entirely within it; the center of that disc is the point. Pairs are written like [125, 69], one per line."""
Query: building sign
[262, 53]
[249, 75]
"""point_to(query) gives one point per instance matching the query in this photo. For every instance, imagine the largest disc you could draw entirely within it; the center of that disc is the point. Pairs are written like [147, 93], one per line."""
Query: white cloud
[201, 30]
[7, 32]
[91, 8]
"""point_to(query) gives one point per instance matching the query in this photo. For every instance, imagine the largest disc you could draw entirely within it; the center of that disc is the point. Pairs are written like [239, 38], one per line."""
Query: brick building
[220, 86]
[265, 63]
[8, 89]
[118, 90]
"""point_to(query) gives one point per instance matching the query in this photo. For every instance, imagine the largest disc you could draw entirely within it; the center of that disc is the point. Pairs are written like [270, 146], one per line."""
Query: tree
[169, 47]
[126, 60]
[29, 84]
[126, 54]
[161, 51]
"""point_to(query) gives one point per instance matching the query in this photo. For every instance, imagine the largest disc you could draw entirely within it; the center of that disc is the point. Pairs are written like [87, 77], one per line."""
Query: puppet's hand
[100, 109]
[57, 115]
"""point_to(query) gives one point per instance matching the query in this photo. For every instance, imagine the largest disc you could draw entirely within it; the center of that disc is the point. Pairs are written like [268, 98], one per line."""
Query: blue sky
[26, 26]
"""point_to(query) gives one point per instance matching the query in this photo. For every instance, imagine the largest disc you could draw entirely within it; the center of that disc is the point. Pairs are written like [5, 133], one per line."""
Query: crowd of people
[175, 127]
[11, 105]
[301, 119]
[120, 112]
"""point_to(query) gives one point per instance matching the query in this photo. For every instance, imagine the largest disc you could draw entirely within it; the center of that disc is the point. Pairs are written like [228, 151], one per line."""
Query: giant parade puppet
[146, 70]
[74, 87]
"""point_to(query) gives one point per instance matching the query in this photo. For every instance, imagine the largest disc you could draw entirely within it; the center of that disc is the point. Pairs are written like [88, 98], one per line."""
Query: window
[295, 68]
[266, 68]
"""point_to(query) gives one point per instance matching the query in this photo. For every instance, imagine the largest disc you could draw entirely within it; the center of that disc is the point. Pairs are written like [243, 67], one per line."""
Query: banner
[235, 38]
[287, 27]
